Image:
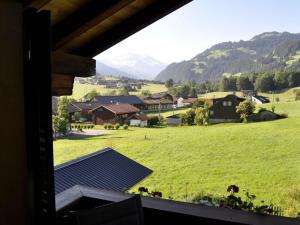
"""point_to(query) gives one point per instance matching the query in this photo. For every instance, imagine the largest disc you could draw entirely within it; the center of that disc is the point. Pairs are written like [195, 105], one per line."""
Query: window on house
[229, 103]
[224, 103]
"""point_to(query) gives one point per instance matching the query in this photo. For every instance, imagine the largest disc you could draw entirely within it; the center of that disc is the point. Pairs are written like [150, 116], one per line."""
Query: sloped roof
[261, 98]
[190, 100]
[139, 116]
[157, 101]
[129, 99]
[119, 108]
[73, 109]
[85, 105]
[104, 169]
[176, 116]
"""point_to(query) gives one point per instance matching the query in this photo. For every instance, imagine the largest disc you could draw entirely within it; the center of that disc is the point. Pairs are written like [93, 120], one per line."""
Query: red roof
[142, 117]
[190, 100]
[119, 108]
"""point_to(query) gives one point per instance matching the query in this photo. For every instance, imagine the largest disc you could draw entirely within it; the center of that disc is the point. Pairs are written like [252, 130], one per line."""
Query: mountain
[104, 70]
[265, 52]
[141, 66]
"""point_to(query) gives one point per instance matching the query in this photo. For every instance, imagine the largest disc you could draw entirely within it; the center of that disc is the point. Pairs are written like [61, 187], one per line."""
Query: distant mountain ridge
[137, 66]
[104, 70]
[264, 52]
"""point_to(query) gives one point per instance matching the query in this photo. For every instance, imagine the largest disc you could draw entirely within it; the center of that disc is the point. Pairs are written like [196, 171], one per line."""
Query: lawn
[79, 90]
[285, 95]
[262, 157]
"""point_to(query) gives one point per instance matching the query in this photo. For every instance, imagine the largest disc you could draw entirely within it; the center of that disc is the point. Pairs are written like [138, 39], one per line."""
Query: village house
[224, 110]
[258, 99]
[112, 113]
[122, 99]
[185, 102]
[138, 120]
[83, 108]
[158, 101]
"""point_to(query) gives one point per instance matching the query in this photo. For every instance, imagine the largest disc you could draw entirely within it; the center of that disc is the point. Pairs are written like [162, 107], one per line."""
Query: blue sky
[203, 23]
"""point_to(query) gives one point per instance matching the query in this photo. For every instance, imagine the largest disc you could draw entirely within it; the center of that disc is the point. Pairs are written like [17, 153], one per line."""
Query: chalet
[138, 119]
[158, 101]
[112, 113]
[210, 101]
[258, 99]
[224, 110]
[122, 99]
[105, 169]
[174, 120]
[83, 108]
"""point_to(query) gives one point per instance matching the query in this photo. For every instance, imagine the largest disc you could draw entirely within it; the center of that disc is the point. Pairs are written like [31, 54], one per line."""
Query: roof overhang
[84, 28]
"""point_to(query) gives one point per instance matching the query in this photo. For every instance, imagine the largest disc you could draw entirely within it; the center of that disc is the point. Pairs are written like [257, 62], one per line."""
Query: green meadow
[263, 157]
[80, 90]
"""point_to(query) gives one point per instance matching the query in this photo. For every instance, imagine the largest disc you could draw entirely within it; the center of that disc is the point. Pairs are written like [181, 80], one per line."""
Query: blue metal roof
[129, 99]
[104, 169]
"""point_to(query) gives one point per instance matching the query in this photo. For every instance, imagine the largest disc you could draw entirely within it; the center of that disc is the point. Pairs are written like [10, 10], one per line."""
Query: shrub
[125, 127]
[153, 120]
[188, 118]
[233, 201]
[105, 126]
[277, 99]
[117, 126]
[92, 126]
[245, 108]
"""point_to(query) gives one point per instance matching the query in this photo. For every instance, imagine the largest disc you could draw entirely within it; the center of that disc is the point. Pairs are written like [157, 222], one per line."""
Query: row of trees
[264, 81]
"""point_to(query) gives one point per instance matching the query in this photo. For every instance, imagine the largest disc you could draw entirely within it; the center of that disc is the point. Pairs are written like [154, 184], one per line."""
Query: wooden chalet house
[122, 99]
[112, 113]
[158, 101]
[44, 45]
[224, 110]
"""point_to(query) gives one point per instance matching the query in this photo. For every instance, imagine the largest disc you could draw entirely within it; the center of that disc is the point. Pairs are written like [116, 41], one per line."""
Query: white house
[259, 99]
[138, 120]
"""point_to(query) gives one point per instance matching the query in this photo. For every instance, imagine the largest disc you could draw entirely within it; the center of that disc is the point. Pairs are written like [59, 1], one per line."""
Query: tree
[169, 83]
[264, 83]
[281, 80]
[184, 90]
[245, 108]
[90, 95]
[124, 91]
[188, 118]
[243, 83]
[146, 93]
[227, 84]
[294, 79]
[60, 122]
[201, 115]
[193, 92]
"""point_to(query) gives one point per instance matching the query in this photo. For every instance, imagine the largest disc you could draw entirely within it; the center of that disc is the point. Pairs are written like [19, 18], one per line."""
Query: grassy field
[79, 90]
[285, 95]
[262, 157]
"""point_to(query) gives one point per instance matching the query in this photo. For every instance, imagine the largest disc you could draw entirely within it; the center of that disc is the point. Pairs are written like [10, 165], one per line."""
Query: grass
[258, 156]
[79, 90]
[286, 95]
[169, 113]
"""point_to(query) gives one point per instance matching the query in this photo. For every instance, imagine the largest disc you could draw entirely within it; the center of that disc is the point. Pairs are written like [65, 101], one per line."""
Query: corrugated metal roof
[129, 99]
[104, 169]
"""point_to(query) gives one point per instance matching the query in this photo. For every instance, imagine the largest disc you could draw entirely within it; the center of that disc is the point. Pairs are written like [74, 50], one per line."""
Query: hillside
[137, 66]
[265, 52]
[104, 70]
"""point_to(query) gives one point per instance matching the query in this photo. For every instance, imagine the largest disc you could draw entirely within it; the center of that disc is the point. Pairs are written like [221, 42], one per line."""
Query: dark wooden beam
[37, 4]
[82, 20]
[62, 84]
[138, 21]
[63, 63]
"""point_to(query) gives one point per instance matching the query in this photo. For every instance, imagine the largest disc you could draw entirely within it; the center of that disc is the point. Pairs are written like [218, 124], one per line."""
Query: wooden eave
[85, 28]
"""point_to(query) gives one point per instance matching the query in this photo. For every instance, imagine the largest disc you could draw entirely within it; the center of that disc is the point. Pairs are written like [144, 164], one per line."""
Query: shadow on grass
[78, 136]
